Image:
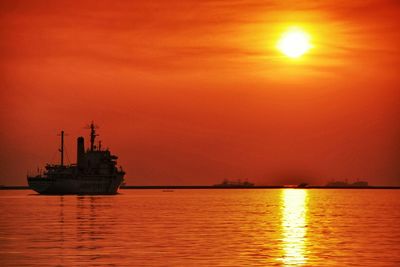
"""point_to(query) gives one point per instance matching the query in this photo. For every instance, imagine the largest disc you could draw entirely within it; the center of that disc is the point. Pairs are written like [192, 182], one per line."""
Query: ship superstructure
[95, 171]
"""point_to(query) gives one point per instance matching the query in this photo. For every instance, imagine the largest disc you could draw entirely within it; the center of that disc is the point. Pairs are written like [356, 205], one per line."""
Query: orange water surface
[254, 227]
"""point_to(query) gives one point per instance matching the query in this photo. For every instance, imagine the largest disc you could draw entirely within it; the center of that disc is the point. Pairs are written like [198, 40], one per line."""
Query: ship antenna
[93, 134]
[62, 148]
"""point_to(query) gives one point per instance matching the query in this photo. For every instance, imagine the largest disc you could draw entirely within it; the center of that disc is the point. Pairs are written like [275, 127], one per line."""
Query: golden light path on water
[294, 226]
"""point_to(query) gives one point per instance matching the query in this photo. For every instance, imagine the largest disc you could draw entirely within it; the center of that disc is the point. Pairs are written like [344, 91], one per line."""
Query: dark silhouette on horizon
[95, 171]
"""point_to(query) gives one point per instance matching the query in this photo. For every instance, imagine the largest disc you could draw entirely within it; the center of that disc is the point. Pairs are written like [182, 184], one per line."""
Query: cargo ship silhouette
[94, 173]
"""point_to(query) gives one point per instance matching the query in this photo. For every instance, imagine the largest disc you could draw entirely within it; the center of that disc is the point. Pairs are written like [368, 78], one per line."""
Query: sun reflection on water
[294, 227]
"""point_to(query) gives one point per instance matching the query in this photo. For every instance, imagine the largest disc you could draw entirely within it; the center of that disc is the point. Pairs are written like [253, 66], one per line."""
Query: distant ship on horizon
[95, 172]
[347, 184]
[232, 184]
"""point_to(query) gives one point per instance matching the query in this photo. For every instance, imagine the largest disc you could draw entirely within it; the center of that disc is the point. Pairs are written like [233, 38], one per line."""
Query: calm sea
[254, 227]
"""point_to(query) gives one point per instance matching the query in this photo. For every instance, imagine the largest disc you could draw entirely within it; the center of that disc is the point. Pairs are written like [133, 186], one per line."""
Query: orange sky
[192, 92]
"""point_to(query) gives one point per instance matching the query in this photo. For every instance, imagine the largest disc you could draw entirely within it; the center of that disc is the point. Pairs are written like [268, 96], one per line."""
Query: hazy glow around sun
[294, 43]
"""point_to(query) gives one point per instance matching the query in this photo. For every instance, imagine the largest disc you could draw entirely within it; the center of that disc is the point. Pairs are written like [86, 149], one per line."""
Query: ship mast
[92, 135]
[62, 148]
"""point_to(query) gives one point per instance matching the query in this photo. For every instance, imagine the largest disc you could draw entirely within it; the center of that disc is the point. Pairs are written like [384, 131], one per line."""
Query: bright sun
[294, 43]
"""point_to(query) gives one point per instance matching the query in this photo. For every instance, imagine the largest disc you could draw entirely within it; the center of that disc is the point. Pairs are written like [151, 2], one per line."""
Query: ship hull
[81, 185]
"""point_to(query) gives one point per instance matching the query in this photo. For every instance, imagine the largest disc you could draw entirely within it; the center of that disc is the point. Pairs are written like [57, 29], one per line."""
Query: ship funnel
[80, 152]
